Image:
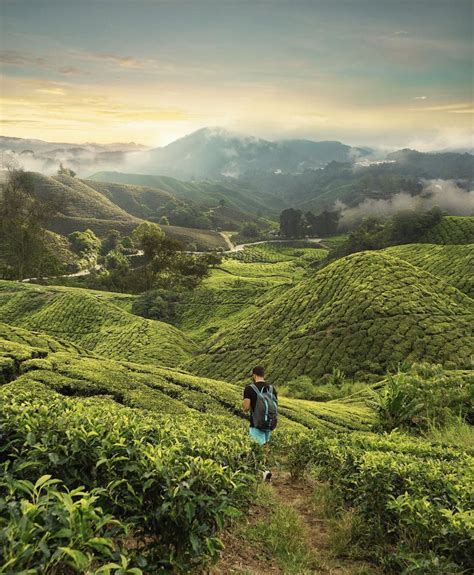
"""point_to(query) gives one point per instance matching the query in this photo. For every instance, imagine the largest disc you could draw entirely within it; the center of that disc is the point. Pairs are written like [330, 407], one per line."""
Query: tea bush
[451, 230]
[414, 498]
[452, 263]
[171, 482]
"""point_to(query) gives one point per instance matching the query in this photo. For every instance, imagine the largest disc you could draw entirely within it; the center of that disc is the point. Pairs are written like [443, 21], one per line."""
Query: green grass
[452, 263]
[282, 533]
[361, 314]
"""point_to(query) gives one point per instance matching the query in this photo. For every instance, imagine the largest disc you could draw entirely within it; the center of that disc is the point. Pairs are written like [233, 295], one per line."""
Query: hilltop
[92, 321]
[361, 314]
[453, 263]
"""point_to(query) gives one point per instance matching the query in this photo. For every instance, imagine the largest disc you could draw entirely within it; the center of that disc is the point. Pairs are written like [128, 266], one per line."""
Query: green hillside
[451, 230]
[139, 201]
[453, 263]
[84, 207]
[93, 322]
[361, 314]
[30, 359]
[236, 196]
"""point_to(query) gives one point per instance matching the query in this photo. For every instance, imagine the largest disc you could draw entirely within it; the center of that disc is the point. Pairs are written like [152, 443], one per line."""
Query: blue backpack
[265, 414]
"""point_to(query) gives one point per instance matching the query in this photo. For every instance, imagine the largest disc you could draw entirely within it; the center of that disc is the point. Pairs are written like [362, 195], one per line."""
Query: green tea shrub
[414, 498]
[47, 528]
[170, 481]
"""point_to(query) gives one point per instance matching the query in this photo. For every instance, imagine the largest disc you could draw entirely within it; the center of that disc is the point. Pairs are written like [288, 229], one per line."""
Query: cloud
[420, 98]
[446, 194]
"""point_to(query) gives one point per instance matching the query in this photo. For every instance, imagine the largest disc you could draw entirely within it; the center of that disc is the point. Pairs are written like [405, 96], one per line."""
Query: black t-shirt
[249, 393]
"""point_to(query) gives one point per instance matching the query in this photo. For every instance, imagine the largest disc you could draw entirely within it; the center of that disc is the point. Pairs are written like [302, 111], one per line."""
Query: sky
[388, 73]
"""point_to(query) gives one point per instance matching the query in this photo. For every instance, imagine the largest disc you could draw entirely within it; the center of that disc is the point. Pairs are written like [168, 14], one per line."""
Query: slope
[453, 263]
[361, 314]
[451, 230]
[83, 207]
[93, 322]
[30, 360]
[235, 195]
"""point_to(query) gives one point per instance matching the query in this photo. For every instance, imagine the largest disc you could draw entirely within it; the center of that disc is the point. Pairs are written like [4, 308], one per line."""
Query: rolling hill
[85, 207]
[453, 263]
[205, 193]
[451, 230]
[92, 322]
[361, 314]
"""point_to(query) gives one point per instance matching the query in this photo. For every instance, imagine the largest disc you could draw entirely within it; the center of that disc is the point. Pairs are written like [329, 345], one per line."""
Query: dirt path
[240, 558]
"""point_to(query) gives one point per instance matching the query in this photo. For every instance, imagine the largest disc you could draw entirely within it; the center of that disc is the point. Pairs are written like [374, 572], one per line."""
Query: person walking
[261, 401]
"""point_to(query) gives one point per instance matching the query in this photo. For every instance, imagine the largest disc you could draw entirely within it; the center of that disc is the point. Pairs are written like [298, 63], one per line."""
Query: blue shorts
[259, 436]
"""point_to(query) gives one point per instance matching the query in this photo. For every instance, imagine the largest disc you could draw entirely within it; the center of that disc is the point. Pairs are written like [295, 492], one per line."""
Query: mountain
[213, 153]
[361, 314]
[235, 195]
[444, 165]
[82, 207]
[45, 157]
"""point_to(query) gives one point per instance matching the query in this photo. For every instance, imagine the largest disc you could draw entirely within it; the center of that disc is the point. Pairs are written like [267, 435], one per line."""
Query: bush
[169, 483]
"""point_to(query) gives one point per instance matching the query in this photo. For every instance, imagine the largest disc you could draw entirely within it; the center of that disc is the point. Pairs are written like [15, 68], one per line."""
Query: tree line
[296, 224]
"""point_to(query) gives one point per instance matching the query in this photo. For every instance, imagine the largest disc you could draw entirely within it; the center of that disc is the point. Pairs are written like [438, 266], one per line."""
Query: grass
[282, 532]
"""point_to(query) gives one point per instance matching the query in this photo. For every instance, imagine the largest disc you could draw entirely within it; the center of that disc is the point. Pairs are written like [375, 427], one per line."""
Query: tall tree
[23, 220]
[291, 223]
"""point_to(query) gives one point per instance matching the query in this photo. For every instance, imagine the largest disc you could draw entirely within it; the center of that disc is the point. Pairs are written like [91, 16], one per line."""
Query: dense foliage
[413, 499]
[126, 478]
[361, 314]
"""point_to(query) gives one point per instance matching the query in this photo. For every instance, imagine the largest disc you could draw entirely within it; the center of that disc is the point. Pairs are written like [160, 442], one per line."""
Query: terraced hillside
[361, 314]
[453, 263]
[451, 230]
[92, 322]
[36, 361]
[84, 207]
[236, 288]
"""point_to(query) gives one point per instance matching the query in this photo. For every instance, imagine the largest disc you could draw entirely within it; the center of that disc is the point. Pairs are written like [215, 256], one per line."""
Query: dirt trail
[239, 558]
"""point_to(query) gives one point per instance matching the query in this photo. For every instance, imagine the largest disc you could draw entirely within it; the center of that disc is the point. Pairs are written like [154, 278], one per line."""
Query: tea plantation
[361, 314]
[453, 263]
[124, 448]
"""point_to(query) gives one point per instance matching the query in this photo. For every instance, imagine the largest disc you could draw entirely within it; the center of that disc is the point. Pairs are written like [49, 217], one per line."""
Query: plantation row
[278, 252]
[451, 230]
[92, 322]
[453, 263]
[362, 314]
[89, 486]
[413, 500]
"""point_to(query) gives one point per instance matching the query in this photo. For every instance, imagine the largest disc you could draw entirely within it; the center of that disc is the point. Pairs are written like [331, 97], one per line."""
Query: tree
[23, 221]
[164, 221]
[148, 237]
[63, 171]
[291, 223]
[325, 224]
[250, 230]
[112, 242]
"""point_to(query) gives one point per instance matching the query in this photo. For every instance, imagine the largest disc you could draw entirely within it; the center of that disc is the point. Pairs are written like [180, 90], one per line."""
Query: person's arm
[247, 402]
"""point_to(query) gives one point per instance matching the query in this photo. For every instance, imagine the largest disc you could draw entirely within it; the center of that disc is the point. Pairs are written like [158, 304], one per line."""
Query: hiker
[261, 400]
